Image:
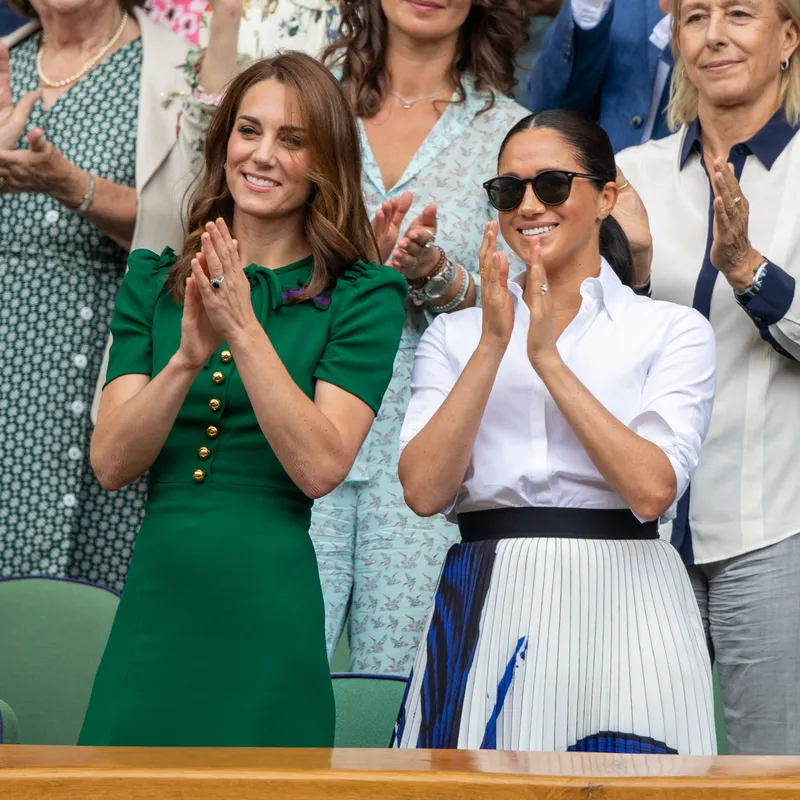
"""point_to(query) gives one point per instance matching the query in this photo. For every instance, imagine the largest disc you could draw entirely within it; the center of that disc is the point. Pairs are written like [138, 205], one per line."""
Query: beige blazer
[170, 134]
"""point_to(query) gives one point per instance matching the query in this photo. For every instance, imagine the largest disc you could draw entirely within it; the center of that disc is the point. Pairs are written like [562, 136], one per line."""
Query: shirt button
[86, 313]
[80, 361]
[78, 407]
[204, 452]
[199, 475]
[214, 404]
[52, 216]
[226, 356]
[212, 431]
[218, 378]
[75, 454]
[69, 500]
[637, 121]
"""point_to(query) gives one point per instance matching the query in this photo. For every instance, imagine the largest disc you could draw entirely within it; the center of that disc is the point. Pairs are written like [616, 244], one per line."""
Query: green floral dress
[59, 276]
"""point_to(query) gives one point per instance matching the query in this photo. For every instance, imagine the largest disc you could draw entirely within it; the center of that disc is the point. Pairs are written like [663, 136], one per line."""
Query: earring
[604, 216]
[784, 65]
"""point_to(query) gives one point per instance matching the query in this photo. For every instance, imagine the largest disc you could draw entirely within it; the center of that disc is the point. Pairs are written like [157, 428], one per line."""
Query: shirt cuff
[588, 14]
[769, 303]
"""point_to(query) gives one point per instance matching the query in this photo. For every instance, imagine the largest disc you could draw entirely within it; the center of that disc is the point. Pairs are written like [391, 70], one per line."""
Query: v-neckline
[446, 128]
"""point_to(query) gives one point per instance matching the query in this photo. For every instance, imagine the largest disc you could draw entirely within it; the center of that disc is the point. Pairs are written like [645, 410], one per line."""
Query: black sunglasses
[552, 187]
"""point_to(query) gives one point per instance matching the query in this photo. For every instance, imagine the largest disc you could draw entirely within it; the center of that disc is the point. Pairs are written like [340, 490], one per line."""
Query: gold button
[226, 356]
[199, 475]
[214, 404]
[204, 452]
[218, 377]
[212, 431]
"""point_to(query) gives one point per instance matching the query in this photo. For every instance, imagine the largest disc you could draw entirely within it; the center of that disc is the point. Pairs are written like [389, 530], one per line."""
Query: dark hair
[493, 33]
[26, 9]
[337, 226]
[592, 148]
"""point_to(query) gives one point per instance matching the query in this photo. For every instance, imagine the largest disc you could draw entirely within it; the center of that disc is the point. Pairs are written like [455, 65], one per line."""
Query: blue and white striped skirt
[562, 644]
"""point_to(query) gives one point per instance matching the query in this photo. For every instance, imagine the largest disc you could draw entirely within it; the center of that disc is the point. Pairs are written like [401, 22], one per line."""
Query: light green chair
[9, 729]
[366, 708]
[52, 635]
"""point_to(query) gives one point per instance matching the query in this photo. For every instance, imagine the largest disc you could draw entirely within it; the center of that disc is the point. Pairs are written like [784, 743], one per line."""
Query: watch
[436, 285]
[755, 285]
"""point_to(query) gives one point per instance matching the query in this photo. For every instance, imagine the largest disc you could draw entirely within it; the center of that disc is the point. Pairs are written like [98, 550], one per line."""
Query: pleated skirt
[557, 644]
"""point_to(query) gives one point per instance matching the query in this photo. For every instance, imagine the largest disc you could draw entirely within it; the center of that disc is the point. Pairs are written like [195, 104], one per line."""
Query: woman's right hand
[496, 302]
[12, 119]
[632, 217]
[199, 339]
[387, 221]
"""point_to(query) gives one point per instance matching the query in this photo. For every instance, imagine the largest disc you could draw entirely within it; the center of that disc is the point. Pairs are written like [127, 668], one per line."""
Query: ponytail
[615, 248]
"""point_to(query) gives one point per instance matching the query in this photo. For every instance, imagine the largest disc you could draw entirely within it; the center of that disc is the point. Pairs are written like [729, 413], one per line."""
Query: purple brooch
[322, 301]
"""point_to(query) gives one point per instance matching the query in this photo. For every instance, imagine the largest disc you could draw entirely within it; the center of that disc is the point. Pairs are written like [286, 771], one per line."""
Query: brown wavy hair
[492, 35]
[336, 225]
[26, 9]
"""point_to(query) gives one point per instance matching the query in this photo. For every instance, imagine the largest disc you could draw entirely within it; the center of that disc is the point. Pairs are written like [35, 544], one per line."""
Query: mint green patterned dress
[60, 276]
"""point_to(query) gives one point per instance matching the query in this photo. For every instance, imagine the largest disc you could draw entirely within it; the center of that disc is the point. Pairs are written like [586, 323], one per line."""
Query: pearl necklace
[92, 62]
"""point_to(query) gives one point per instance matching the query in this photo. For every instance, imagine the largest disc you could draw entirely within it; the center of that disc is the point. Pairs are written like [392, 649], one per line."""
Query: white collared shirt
[746, 493]
[651, 364]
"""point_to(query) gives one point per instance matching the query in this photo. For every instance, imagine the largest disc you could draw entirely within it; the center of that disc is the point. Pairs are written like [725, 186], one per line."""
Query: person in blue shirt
[611, 60]
[9, 21]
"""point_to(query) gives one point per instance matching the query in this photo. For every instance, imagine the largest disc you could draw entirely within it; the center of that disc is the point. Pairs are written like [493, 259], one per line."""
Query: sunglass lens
[506, 193]
[552, 188]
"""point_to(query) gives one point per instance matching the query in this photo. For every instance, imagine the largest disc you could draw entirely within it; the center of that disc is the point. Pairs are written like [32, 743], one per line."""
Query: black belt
[564, 523]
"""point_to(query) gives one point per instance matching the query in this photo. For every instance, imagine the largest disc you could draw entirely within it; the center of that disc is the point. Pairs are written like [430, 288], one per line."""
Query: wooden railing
[71, 773]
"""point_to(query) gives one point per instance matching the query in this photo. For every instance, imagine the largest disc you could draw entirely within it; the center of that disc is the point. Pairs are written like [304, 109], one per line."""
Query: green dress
[219, 639]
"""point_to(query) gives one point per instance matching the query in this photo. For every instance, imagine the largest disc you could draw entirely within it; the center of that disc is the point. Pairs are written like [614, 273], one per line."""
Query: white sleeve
[678, 397]
[432, 379]
[588, 14]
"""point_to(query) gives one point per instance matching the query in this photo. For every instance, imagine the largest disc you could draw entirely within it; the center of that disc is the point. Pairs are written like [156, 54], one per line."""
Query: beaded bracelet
[461, 295]
[418, 283]
[88, 197]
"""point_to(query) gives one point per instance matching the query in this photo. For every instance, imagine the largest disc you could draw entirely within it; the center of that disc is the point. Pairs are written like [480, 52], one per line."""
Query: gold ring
[624, 186]
[737, 199]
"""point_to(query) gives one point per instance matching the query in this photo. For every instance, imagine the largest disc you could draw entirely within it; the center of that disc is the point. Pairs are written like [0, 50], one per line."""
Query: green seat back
[9, 729]
[366, 709]
[52, 635]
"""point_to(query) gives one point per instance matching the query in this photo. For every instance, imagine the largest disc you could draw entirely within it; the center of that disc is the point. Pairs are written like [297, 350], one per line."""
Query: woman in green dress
[246, 391]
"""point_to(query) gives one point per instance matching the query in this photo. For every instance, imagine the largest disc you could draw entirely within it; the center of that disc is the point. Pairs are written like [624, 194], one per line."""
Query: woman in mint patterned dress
[377, 559]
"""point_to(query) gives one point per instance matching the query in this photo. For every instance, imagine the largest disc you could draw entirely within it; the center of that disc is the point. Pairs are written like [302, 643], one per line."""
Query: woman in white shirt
[556, 425]
[731, 249]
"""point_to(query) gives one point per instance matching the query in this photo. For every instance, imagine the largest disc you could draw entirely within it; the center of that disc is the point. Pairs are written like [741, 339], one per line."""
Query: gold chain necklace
[45, 81]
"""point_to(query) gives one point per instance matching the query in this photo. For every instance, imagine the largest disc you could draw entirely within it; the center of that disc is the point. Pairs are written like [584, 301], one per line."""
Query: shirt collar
[766, 145]
[606, 287]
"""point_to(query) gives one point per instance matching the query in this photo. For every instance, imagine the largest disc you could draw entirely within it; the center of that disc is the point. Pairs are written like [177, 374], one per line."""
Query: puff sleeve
[368, 317]
[132, 322]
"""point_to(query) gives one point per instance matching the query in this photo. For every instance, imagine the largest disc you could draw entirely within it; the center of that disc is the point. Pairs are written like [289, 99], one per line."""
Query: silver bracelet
[88, 197]
[461, 295]
[435, 286]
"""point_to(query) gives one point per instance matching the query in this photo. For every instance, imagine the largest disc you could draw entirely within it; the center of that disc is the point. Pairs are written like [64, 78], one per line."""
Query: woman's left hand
[414, 256]
[542, 350]
[731, 252]
[229, 308]
[41, 168]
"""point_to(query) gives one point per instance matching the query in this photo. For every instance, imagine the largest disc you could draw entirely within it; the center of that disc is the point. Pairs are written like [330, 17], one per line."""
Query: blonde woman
[724, 224]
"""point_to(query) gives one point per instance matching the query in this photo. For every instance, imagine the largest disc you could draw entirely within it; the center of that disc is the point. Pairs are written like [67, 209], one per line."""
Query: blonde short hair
[683, 94]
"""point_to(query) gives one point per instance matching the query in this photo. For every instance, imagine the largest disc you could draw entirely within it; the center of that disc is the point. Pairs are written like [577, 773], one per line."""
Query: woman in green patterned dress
[244, 374]
[96, 150]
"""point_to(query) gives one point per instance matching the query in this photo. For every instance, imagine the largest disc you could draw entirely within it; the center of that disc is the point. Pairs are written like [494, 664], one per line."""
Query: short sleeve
[433, 378]
[132, 323]
[368, 317]
[678, 397]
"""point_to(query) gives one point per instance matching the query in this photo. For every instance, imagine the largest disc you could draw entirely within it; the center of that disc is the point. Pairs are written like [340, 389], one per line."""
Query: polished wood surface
[72, 773]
